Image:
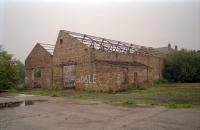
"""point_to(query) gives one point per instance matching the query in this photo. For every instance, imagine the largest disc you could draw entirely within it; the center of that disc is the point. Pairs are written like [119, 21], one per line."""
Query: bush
[22, 86]
[21, 71]
[182, 66]
[161, 81]
[9, 73]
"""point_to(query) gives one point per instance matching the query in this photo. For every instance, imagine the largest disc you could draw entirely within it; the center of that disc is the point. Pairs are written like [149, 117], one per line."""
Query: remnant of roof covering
[113, 45]
[48, 47]
[123, 63]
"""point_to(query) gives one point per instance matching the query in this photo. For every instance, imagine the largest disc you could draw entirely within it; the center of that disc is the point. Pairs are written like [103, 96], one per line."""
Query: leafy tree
[9, 74]
[20, 67]
[182, 66]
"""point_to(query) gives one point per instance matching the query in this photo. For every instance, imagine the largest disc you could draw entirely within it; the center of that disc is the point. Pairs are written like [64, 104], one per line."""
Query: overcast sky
[152, 23]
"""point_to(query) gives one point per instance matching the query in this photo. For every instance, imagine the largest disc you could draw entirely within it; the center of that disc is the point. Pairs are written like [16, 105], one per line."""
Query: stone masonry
[76, 64]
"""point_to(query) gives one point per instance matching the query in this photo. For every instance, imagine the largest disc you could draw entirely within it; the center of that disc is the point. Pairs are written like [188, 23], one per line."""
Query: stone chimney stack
[176, 48]
[169, 46]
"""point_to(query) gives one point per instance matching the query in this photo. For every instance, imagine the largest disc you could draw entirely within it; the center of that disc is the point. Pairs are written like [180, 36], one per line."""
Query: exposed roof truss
[48, 47]
[113, 45]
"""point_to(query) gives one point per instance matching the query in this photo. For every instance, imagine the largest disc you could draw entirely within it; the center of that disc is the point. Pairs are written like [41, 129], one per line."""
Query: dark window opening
[61, 41]
[125, 76]
[37, 73]
[135, 76]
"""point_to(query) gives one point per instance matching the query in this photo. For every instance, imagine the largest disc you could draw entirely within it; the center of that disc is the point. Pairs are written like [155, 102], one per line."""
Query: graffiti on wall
[69, 76]
[88, 79]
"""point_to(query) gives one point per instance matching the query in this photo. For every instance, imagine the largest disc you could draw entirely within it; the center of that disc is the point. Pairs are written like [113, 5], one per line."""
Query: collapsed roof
[48, 47]
[113, 45]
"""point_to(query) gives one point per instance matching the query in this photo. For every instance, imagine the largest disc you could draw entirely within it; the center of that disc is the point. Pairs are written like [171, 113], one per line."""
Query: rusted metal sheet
[69, 76]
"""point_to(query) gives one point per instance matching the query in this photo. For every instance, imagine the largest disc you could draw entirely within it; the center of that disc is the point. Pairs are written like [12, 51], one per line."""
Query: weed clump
[161, 81]
[129, 102]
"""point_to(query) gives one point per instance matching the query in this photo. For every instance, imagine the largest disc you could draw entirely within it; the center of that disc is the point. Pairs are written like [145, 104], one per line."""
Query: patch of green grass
[129, 102]
[161, 81]
[168, 91]
[90, 90]
[40, 91]
[37, 91]
[81, 97]
[56, 93]
[176, 105]
[179, 95]
[111, 91]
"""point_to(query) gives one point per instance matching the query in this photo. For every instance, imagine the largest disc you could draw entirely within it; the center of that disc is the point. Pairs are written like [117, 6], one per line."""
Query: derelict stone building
[38, 66]
[85, 61]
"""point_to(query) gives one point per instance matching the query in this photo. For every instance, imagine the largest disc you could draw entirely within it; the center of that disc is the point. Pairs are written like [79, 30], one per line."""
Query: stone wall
[108, 76]
[69, 51]
[101, 76]
[155, 63]
[41, 59]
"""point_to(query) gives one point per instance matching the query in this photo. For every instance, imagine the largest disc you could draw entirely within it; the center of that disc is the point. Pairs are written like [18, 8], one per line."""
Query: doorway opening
[69, 76]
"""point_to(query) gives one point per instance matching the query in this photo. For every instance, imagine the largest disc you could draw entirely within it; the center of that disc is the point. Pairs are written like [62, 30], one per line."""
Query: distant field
[180, 95]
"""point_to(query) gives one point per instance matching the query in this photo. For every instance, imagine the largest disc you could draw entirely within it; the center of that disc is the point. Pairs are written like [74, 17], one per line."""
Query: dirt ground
[70, 114]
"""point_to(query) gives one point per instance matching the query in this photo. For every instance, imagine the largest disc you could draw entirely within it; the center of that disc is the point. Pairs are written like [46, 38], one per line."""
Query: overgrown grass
[40, 91]
[168, 95]
[161, 81]
[129, 102]
[176, 105]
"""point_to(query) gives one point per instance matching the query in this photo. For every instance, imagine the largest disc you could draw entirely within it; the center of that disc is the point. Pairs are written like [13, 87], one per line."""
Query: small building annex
[38, 66]
[83, 61]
